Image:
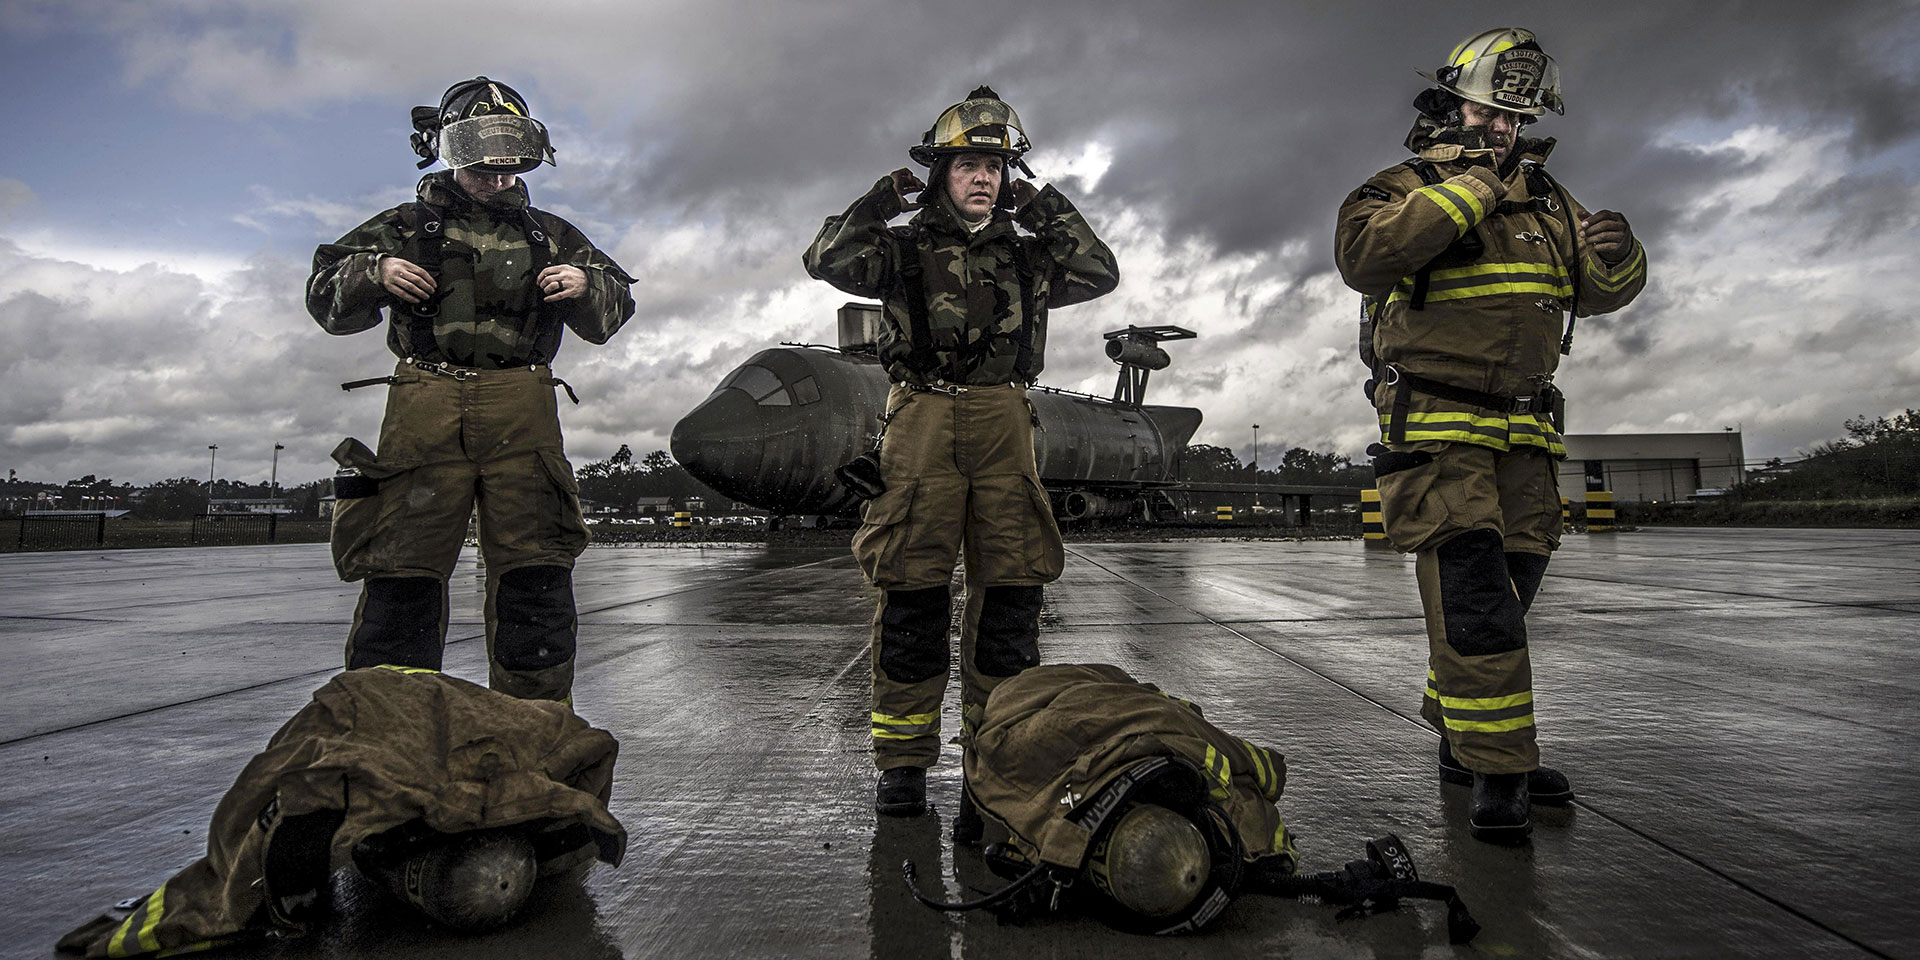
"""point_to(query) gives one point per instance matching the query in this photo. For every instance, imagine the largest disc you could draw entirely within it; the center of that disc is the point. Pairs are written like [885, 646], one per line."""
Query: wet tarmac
[1736, 710]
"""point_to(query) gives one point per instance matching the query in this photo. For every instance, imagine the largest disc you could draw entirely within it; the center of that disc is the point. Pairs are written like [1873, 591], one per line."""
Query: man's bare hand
[1023, 194]
[405, 279]
[562, 281]
[1608, 234]
[904, 182]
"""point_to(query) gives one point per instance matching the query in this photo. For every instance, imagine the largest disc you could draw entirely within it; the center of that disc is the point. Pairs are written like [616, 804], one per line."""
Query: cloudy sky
[172, 166]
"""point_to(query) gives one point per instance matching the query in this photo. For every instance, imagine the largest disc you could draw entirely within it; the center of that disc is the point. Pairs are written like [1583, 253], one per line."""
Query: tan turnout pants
[485, 439]
[1481, 524]
[961, 482]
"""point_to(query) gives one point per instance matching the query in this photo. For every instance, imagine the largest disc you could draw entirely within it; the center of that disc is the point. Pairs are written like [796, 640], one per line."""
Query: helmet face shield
[988, 125]
[981, 123]
[496, 143]
[1503, 68]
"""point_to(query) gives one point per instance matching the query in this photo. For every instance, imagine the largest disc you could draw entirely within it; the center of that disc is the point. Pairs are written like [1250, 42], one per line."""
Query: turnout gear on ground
[471, 421]
[965, 334]
[468, 881]
[376, 751]
[1165, 816]
[483, 124]
[1472, 277]
[1505, 68]
[1064, 752]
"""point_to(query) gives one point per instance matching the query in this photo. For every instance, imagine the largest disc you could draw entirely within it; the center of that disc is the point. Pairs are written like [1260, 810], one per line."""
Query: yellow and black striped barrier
[1372, 526]
[682, 519]
[1566, 514]
[1223, 513]
[1599, 511]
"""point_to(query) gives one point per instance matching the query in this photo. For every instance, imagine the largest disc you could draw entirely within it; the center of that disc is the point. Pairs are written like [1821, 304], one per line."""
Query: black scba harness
[1043, 888]
[1466, 250]
[1362, 887]
[427, 248]
[922, 354]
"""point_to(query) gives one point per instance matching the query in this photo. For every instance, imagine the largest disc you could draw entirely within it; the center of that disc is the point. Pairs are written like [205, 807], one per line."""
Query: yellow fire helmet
[982, 123]
[1505, 68]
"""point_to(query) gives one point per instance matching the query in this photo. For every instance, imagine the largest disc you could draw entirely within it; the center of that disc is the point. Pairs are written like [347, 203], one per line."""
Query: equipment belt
[956, 389]
[1549, 401]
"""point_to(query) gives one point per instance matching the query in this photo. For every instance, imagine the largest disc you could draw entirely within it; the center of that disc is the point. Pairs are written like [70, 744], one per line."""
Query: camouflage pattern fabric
[489, 314]
[970, 279]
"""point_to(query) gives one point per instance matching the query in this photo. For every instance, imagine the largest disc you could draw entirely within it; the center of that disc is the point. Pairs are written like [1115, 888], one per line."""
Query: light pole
[273, 479]
[213, 450]
[1256, 466]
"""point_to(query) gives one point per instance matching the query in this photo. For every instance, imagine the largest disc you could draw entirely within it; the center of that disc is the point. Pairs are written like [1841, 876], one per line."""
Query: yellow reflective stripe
[1488, 290]
[1262, 773]
[1624, 274]
[400, 669]
[1465, 196]
[1222, 771]
[144, 938]
[1487, 703]
[1455, 210]
[886, 726]
[1491, 726]
[1488, 269]
[1496, 433]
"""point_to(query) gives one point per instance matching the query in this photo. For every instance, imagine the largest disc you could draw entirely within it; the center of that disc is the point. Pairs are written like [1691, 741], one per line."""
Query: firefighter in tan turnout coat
[1474, 262]
[966, 299]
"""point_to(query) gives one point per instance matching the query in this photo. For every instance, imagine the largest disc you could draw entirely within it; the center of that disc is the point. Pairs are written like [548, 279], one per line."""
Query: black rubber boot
[1500, 808]
[967, 825]
[1546, 786]
[901, 792]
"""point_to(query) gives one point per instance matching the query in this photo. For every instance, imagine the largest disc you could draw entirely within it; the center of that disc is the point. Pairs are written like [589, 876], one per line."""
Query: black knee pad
[1476, 596]
[398, 623]
[1527, 570]
[533, 618]
[1009, 637]
[913, 634]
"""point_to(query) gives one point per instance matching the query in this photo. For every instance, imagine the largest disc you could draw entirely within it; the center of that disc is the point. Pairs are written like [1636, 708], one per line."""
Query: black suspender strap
[1422, 277]
[913, 287]
[427, 250]
[1023, 338]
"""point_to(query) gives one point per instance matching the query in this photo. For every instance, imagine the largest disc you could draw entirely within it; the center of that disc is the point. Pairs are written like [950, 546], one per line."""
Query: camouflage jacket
[1053, 736]
[485, 311]
[1507, 269]
[970, 281]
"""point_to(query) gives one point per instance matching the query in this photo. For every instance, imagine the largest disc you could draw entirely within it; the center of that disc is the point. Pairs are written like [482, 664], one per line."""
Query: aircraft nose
[719, 440]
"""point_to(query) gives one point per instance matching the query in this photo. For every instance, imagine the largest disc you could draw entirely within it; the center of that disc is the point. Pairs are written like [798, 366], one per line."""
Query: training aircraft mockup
[772, 433]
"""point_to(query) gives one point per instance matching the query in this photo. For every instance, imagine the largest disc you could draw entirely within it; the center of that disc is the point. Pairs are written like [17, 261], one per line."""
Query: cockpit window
[759, 383]
[806, 391]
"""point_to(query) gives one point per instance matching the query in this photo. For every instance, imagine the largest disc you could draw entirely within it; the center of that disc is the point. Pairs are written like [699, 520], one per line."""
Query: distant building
[1650, 467]
[260, 506]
